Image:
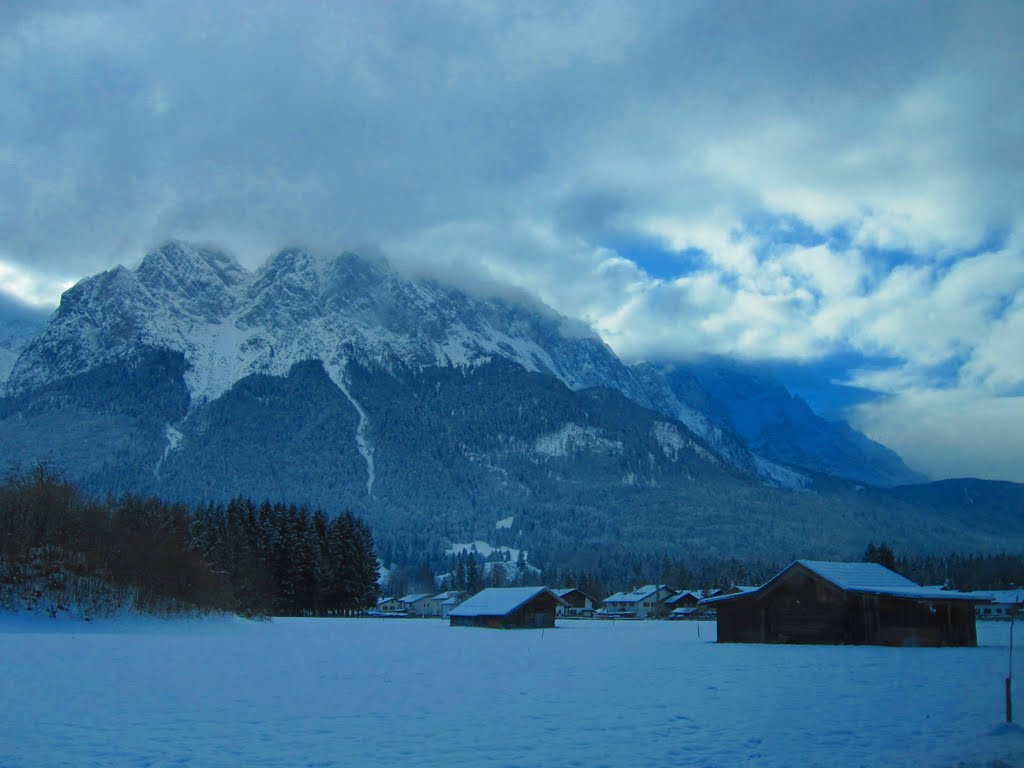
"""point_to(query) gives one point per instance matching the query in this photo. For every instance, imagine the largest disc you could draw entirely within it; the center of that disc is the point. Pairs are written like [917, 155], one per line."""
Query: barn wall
[802, 609]
[538, 613]
[739, 621]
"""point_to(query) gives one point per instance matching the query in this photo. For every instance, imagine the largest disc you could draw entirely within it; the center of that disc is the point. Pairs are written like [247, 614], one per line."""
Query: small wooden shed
[845, 603]
[508, 608]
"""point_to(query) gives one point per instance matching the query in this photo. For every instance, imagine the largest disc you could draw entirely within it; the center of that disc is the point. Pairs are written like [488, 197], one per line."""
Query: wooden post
[1009, 675]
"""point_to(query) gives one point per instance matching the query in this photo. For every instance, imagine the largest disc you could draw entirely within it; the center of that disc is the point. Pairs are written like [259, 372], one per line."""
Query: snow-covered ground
[226, 692]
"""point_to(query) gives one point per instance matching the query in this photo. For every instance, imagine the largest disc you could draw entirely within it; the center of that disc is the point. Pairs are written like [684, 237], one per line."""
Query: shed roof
[865, 578]
[500, 601]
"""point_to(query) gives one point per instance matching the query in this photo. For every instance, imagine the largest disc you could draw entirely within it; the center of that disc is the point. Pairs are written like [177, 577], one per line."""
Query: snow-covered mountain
[739, 408]
[19, 324]
[230, 323]
[432, 412]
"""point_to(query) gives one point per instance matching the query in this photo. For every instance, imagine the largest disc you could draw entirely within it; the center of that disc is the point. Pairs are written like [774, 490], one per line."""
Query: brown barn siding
[804, 609]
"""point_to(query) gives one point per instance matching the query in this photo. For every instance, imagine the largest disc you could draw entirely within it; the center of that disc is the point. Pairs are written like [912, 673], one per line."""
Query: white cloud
[500, 142]
[950, 433]
[30, 288]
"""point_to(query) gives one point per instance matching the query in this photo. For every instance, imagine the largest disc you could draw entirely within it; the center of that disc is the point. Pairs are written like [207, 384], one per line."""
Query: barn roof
[500, 601]
[865, 578]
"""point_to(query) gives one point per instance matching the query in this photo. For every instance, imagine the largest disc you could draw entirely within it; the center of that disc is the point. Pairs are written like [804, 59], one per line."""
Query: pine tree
[459, 582]
[474, 580]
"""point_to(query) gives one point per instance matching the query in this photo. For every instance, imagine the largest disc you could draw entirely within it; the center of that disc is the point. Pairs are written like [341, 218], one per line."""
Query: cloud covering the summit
[793, 182]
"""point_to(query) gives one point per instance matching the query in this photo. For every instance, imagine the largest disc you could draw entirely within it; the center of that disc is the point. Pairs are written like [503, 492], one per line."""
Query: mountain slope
[230, 323]
[432, 412]
[19, 324]
[779, 426]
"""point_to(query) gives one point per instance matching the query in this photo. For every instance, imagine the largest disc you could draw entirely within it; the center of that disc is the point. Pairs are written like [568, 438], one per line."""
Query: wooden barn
[508, 608]
[845, 603]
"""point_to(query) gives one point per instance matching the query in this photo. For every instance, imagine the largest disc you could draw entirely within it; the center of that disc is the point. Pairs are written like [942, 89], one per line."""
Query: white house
[578, 603]
[1003, 603]
[646, 602]
[417, 604]
[388, 606]
[442, 604]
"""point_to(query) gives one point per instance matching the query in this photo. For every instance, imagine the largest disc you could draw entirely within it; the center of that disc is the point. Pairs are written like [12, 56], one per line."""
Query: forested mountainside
[434, 414]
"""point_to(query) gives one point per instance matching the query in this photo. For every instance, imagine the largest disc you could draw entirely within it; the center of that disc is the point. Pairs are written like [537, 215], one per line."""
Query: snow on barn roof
[867, 578]
[500, 601]
[638, 594]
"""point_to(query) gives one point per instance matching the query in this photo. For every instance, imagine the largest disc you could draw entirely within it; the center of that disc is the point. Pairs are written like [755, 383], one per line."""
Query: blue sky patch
[657, 261]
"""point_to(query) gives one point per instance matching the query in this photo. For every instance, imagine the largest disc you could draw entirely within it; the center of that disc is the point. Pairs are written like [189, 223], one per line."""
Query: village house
[683, 605]
[1001, 604]
[442, 604]
[579, 603]
[417, 604]
[388, 606]
[508, 608]
[845, 603]
[646, 602]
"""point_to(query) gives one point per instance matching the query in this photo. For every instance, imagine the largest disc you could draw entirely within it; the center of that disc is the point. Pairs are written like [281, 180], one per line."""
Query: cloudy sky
[834, 190]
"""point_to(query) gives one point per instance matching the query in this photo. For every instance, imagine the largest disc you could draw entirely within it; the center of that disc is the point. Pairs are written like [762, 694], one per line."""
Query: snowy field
[226, 692]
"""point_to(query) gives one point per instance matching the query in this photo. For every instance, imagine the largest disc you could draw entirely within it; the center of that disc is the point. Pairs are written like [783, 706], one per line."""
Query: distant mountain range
[19, 324]
[435, 412]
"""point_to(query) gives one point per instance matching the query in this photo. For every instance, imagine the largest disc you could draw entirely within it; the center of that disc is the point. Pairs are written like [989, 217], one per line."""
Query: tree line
[469, 571]
[62, 550]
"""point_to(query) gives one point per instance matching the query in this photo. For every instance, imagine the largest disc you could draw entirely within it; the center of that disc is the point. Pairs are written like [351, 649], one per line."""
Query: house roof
[569, 590]
[415, 598]
[500, 601]
[451, 593]
[864, 578]
[684, 611]
[680, 595]
[636, 596]
[1002, 596]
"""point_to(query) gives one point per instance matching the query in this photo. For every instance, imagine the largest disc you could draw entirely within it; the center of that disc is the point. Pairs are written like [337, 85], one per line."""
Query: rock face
[738, 408]
[230, 323]
[431, 411]
[19, 324]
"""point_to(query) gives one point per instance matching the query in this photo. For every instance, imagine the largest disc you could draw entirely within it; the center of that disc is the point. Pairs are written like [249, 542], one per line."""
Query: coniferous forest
[61, 550]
